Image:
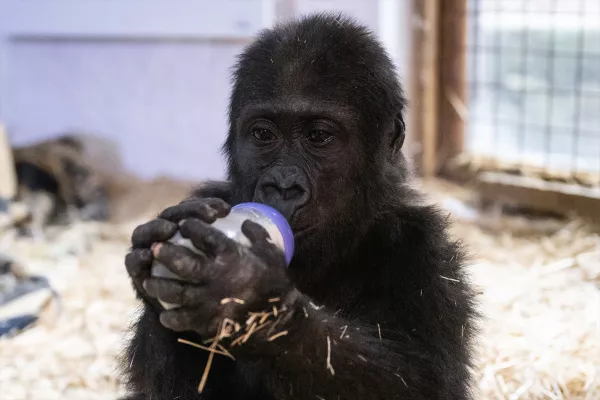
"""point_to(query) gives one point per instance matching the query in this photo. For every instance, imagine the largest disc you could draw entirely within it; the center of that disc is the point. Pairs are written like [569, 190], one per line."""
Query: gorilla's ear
[398, 134]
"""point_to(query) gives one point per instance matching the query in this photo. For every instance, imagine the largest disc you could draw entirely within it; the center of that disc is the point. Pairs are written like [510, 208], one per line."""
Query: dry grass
[541, 338]
[71, 353]
[540, 281]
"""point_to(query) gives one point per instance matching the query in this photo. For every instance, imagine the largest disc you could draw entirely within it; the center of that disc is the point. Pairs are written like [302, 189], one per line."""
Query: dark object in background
[22, 297]
[316, 130]
[55, 180]
[4, 205]
[13, 325]
[7, 174]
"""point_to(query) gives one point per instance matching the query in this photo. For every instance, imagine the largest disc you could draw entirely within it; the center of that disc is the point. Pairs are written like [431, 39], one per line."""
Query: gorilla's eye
[263, 135]
[319, 136]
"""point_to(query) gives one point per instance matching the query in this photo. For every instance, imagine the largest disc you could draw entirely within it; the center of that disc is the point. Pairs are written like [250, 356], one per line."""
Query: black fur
[398, 309]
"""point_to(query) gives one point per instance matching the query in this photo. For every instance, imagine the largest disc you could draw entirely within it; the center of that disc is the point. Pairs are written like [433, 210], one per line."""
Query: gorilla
[376, 302]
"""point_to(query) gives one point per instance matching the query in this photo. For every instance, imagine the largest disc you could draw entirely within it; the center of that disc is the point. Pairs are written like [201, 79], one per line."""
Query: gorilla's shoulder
[418, 228]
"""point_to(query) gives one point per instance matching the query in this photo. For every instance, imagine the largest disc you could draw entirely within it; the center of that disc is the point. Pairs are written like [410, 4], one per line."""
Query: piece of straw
[329, 366]
[209, 349]
[277, 335]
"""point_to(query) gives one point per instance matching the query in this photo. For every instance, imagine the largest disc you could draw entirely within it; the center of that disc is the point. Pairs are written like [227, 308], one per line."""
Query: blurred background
[111, 110]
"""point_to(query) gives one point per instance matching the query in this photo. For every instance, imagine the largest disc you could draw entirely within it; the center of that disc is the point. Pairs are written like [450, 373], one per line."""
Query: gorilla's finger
[201, 319]
[187, 264]
[261, 244]
[175, 292]
[207, 238]
[255, 232]
[138, 263]
[270, 254]
[157, 230]
[205, 209]
[188, 199]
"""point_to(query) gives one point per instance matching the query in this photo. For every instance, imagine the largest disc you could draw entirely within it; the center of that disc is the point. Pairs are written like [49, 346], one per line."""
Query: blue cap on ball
[279, 221]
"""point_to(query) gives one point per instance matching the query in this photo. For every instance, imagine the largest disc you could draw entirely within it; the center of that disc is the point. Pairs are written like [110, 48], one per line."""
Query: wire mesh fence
[533, 72]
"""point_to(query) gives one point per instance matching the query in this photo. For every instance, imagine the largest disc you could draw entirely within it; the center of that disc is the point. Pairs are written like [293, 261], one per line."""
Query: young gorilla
[315, 131]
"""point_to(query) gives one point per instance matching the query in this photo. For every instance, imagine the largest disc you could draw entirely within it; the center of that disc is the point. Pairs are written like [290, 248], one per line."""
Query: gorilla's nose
[285, 189]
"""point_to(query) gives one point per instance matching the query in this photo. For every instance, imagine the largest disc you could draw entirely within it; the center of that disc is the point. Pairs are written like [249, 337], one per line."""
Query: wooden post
[452, 116]
[439, 90]
[426, 77]
[8, 180]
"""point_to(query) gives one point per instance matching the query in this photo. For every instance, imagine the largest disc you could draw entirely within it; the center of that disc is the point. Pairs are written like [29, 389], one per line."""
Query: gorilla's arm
[405, 327]
[331, 358]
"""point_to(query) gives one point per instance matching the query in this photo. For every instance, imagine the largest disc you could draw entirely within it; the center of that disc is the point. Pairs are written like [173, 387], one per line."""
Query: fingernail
[156, 248]
[145, 284]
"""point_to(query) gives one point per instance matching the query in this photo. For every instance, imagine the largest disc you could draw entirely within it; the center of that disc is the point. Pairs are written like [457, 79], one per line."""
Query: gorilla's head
[316, 123]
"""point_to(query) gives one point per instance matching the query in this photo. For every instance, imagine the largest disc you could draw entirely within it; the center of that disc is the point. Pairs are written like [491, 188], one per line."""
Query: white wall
[155, 82]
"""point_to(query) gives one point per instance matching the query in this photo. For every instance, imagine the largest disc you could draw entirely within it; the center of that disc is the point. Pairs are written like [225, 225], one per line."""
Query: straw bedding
[539, 292]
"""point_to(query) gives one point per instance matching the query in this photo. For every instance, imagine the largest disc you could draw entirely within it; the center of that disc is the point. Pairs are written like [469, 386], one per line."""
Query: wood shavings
[250, 332]
[277, 335]
[264, 318]
[449, 279]
[328, 365]
[344, 329]
[237, 336]
[225, 352]
[540, 338]
[232, 299]
[97, 304]
[403, 381]
[212, 350]
[211, 355]
[199, 346]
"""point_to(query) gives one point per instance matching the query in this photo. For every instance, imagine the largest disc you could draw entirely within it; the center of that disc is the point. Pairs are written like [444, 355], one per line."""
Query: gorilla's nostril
[292, 193]
[270, 189]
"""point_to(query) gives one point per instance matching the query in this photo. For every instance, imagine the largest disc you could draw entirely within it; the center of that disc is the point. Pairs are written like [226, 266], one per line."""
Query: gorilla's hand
[226, 281]
[139, 260]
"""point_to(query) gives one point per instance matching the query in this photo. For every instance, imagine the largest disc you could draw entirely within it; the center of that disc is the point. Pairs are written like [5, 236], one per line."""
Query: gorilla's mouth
[295, 218]
[299, 222]
[302, 226]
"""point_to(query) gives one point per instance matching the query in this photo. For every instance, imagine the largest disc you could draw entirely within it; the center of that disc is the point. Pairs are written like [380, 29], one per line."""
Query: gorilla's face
[312, 118]
[300, 157]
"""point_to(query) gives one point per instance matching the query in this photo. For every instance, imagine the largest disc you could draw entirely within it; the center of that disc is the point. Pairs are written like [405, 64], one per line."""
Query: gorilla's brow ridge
[293, 105]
